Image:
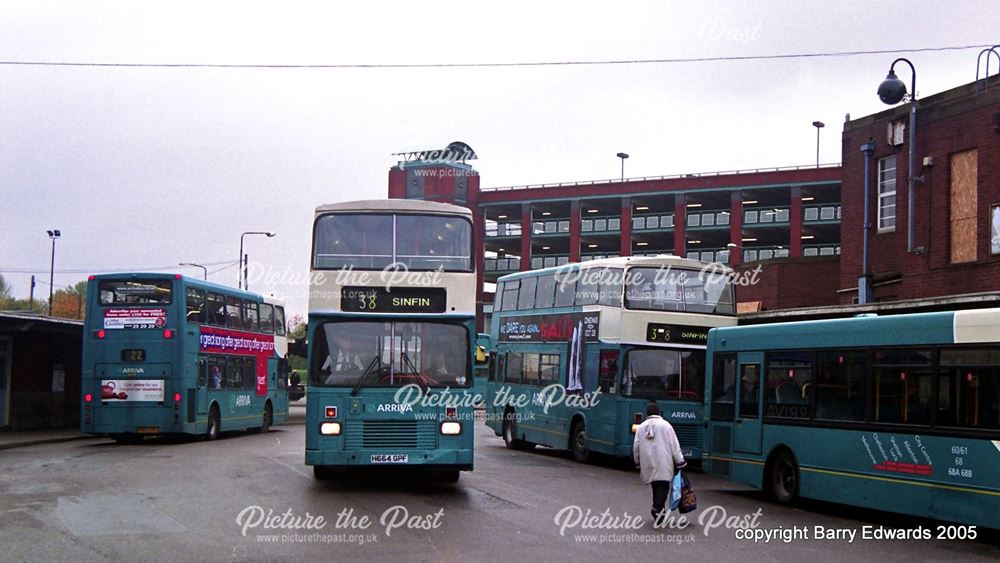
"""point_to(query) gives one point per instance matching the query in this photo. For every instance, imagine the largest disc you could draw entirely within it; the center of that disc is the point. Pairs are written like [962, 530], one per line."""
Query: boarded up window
[964, 170]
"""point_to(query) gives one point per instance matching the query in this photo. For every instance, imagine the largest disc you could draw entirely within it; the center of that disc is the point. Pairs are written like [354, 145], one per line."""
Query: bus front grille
[689, 435]
[387, 434]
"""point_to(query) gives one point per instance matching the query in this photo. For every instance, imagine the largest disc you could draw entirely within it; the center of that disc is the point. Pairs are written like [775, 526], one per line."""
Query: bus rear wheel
[782, 478]
[265, 423]
[212, 430]
[578, 443]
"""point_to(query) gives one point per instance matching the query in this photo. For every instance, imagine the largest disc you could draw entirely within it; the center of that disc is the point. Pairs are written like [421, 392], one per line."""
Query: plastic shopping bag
[675, 491]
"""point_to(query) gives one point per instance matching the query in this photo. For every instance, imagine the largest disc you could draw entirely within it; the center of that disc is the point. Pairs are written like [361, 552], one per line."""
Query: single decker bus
[899, 413]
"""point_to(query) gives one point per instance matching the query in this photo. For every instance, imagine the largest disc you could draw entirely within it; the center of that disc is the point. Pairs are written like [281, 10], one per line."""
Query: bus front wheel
[212, 431]
[783, 478]
[510, 432]
[323, 472]
[578, 443]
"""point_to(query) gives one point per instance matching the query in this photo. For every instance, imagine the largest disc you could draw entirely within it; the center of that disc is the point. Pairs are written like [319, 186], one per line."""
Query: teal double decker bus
[391, 338]
[898, 413]
[168, 354]
[580, 350]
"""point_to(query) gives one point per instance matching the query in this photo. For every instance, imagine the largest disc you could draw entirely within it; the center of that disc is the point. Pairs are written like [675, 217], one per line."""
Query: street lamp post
[204, 269]
[891, 91]
[53, 234]
[818, 125]
[241, 270]
[623, 156]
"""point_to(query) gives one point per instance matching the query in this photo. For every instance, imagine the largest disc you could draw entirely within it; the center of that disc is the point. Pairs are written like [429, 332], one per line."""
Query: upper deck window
[135, 292]
[674, 289]
[369, 241]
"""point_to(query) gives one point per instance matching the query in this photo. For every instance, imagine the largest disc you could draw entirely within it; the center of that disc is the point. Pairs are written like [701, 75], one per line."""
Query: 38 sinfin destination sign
[398, 300]
[676, 334]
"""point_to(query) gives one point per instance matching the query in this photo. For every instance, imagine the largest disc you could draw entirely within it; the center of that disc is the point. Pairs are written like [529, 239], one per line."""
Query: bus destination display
[398, 300]
[676, 334]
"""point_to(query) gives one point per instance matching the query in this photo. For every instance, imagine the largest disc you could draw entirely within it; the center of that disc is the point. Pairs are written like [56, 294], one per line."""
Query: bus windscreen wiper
[375, 363]
[420, 379]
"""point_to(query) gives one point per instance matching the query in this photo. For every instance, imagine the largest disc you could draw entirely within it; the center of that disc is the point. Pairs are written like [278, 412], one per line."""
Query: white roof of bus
[403, 205]
[662, 260]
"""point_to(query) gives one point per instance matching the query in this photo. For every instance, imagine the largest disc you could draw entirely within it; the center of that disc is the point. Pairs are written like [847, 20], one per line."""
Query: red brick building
[957, 198]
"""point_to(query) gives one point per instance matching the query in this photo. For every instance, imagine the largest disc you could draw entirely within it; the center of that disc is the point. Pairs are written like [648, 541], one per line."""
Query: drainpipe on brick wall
[864, 284]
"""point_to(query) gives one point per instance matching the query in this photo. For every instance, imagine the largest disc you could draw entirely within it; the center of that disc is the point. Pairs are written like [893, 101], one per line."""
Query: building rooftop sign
[455, 153]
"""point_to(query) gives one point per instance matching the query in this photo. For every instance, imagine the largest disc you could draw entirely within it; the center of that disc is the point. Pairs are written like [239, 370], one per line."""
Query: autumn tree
[70, 303]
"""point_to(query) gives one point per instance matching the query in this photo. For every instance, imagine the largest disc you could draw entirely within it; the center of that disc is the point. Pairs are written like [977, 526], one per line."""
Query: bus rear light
[638, 418]
[451, 428]
[91, 277]
[451, 412]
[331, 412]
[178, 276]
[168, 334]
[177, 397]
[100, 334]
[330, 429]
[88, 398]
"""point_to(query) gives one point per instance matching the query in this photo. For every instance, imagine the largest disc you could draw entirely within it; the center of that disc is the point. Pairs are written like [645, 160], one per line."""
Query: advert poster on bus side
[223, 341]
[558, 327]
[115, 319]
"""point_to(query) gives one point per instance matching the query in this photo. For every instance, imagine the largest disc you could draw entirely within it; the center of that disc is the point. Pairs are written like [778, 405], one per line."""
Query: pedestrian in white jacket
[657, 453]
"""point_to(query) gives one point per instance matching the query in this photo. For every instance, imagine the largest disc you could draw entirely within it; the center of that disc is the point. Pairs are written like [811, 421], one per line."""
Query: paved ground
[249, 497]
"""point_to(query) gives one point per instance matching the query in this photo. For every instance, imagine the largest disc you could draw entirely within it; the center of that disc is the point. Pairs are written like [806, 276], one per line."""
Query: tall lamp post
[53, 234]
[241, 272]
[818, 125]
[891, 91]
[204, 269]
[622, 156]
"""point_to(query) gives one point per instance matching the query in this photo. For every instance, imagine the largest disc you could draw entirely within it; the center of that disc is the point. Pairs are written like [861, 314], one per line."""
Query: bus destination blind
[398, 300]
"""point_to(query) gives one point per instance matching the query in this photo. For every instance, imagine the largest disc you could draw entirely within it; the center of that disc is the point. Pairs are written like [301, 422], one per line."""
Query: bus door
[747, 433]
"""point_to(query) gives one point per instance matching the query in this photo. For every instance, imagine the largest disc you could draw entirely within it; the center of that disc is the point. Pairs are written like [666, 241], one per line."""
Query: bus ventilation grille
[689, 435]
[382, 434]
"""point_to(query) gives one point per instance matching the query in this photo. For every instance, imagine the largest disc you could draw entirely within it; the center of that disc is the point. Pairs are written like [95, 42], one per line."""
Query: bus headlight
[634, 428]
[451, 428]
[330, 429]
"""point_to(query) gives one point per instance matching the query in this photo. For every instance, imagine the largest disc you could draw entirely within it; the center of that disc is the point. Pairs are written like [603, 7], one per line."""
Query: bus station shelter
[40, 359]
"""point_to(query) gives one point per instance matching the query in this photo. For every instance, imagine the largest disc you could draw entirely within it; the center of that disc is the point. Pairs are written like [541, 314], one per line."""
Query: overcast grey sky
[147, 167]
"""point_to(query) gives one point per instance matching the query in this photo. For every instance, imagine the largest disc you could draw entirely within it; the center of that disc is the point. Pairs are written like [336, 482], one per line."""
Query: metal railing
[670, 177]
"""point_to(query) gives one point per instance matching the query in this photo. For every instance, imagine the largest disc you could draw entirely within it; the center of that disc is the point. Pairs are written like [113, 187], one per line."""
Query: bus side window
[216, 310]
[202, 373]
[249, 373]
[724, 387]
[267, 318]
[279, 321]
[608, 371]
[234, 312]
[251, 320]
